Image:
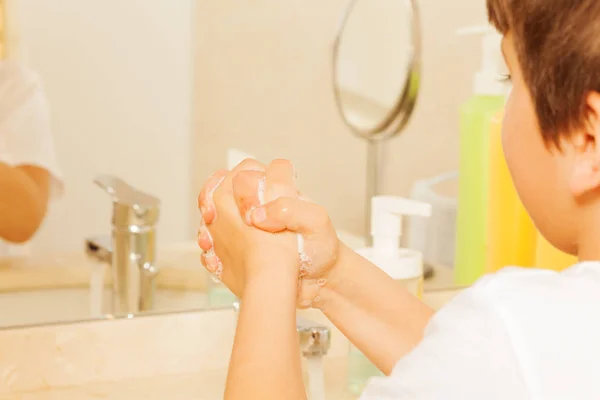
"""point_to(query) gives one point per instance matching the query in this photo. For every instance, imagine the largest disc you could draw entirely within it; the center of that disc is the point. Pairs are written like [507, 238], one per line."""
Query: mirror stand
[375, 172]
[376, 62]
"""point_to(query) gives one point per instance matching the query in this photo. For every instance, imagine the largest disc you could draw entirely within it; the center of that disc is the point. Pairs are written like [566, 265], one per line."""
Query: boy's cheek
[521, 141]
[508, 132]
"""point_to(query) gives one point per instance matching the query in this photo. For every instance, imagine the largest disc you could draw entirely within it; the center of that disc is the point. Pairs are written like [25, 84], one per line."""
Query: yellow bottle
[549, 257]
[2, 30]
[511, 235]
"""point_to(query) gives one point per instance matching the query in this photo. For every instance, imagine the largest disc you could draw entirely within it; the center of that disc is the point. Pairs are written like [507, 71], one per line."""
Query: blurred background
[159, 94]
[156, 92]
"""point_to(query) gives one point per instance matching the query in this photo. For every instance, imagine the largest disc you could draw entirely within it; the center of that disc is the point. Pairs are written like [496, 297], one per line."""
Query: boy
[29, 172]
[519, 334]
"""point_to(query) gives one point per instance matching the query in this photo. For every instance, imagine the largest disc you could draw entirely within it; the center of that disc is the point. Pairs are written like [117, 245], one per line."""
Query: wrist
[338, 279]
[276, 276]
[340, 272]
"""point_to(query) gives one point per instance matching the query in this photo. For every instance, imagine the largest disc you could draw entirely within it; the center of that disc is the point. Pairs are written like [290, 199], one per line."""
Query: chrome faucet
[315, 339]
[131, 251]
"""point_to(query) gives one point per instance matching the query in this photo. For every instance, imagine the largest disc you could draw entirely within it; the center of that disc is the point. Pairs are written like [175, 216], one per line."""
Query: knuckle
[247, 176]
[221, 172]
[249, 164]
[209, 184]
[245, 186]
[201, 197]
[281, 163]
[321, 216]
[285, 208]
[219, 190]
[239, 180]
[218, 194]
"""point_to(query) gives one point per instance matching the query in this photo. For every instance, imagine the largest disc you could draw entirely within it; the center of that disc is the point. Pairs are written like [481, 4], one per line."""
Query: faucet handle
[123, 193]
[130, 206]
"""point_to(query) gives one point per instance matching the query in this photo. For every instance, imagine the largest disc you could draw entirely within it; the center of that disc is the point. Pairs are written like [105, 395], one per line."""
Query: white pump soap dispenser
[401, 264]
[487, 80]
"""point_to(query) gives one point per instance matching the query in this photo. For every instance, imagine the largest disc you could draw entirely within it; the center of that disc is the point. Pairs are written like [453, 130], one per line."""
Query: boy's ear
[585, 144]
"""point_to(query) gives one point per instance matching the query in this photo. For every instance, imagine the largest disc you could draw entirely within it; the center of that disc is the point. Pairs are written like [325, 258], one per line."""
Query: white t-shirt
[25, 131]
[519, 334]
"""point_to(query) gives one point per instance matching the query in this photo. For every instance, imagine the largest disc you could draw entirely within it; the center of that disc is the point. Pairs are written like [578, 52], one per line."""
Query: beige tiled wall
[263, 86]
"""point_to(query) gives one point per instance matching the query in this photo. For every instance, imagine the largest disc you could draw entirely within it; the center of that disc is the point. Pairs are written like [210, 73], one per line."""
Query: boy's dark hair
[558, 47]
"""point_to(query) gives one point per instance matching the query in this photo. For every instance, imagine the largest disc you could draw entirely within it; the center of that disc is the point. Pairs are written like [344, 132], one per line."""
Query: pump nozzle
[386, 219]
[235, 156]
[487, 79]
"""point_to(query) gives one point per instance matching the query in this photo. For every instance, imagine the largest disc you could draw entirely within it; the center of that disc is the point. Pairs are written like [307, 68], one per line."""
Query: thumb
[246, 188]
[290, 213]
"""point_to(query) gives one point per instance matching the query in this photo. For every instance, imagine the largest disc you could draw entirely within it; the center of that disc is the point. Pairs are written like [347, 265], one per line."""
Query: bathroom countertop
[179, 266]
[55, 288]
[201, 385]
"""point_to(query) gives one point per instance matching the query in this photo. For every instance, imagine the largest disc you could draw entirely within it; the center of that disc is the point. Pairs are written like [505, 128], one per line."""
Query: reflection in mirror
[374, 53]
[91, 88]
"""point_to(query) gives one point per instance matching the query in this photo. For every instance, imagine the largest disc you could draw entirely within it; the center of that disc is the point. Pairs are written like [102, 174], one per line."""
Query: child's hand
[242, 253]
[286, 211]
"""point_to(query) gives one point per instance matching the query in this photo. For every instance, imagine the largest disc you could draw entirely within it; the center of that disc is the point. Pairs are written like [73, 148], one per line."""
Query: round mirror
[376, 66]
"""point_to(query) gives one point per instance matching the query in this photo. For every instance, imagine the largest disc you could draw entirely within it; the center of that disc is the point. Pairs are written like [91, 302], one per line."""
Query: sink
[140, 357]
[148, 356]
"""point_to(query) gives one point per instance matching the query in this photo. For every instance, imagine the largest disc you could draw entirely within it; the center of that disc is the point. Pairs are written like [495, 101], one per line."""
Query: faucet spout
[131, 249]
[99, 248]
[315, 339]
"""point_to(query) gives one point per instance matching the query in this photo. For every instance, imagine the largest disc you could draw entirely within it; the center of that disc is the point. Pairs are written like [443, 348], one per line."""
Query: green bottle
[475, 123]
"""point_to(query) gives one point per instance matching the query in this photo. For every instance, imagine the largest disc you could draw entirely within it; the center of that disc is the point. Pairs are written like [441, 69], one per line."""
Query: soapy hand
[286, 211]
[235, 252]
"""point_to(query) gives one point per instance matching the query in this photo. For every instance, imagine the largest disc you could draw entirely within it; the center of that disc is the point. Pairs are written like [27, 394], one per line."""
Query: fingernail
[259, 214]
[212, 263]
[248, 216]
[204, 233]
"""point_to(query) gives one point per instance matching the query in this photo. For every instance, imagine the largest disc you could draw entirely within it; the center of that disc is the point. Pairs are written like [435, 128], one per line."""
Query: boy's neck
[588, 245]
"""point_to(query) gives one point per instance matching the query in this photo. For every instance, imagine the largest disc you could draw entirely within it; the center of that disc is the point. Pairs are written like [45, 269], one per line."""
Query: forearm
[375, 312]
[22, 206]
[265, 363]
